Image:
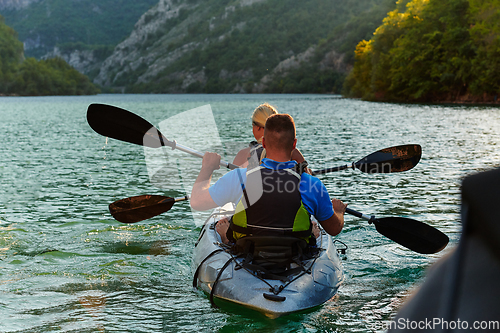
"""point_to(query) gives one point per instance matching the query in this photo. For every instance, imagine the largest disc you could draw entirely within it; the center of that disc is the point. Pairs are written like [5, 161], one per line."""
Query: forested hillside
[208, 46]
[19, 76]
[409, 50]
[42, 25]
[432, 51]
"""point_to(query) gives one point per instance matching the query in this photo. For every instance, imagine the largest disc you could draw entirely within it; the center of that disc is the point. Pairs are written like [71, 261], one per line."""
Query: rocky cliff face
[331, 60]
[84, 61]
[134, 52]
[15, 4]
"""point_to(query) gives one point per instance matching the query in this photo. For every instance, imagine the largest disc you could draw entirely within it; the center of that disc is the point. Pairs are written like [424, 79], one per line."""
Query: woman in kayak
[254, 153]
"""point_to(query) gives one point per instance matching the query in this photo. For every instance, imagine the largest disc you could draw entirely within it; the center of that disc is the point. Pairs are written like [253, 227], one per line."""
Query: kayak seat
[270, 257]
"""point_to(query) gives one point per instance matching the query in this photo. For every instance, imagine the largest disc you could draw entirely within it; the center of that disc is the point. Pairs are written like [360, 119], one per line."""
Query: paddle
[412, 234]
[142, 207]
[120, 124]
[387, 160]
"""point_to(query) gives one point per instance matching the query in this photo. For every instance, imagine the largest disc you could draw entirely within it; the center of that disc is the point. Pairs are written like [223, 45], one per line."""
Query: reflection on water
[152, 248]
[66, 265]
[94, 301]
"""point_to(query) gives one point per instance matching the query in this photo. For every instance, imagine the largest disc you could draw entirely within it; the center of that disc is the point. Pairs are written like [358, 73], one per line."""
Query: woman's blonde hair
[261, 113]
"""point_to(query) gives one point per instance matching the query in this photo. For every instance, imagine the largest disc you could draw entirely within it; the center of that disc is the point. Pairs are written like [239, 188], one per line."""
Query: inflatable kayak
[253, 274]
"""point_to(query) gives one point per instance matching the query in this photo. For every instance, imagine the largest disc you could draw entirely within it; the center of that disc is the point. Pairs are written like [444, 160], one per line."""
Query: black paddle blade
[389, 160]
[139, 208]
[123, 125]
[412, 234]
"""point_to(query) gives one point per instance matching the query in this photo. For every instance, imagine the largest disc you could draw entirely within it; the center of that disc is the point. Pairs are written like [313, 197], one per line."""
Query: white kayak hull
[316, 286]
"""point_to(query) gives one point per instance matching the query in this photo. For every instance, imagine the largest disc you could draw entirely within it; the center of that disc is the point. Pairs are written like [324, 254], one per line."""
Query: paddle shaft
[358, 214]
[186, 197]
[193, 152]
[332, 169]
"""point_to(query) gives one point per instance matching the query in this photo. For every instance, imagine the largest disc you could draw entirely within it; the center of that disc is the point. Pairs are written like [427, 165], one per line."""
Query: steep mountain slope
[28, 77]
[43, 24]
[206, 46]
[227, 45]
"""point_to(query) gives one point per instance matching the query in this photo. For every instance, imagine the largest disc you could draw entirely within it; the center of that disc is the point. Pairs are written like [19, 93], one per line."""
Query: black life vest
[271, 205]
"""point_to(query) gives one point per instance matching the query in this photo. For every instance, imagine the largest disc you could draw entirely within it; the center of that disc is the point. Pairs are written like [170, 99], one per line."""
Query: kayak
[228, 275]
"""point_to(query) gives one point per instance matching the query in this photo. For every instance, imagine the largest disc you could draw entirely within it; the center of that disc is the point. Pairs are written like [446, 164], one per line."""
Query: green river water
[67, 266]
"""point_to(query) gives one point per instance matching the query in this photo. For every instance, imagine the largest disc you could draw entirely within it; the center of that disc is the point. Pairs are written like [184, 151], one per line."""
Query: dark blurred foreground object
[462, 290]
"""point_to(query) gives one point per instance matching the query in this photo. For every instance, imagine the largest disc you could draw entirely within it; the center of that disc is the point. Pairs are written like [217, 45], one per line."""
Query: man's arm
[333, 226]
[200, 197]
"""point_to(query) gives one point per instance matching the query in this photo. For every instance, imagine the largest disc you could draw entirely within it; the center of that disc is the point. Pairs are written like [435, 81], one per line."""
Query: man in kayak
[277, 199]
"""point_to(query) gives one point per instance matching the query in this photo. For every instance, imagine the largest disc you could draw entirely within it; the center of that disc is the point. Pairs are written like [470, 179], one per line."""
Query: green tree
[11, 54]
[369, 79]
[50, 77]
[485, 33]
[432, 59]
[358, 82]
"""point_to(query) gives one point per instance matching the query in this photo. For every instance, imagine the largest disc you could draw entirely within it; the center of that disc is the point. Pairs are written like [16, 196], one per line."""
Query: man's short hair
[279, 131]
